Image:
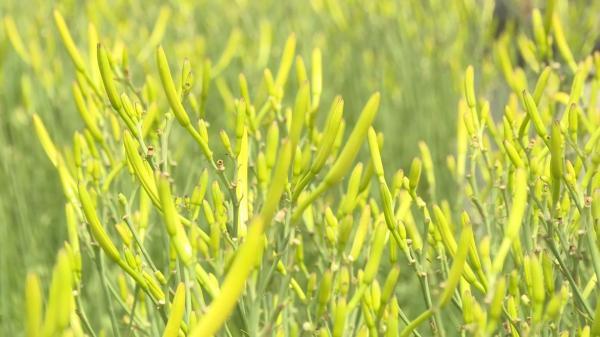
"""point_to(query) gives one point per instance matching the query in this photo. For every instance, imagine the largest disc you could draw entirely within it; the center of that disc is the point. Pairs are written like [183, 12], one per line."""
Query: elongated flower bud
[272, 144]
[246, 256]
[547, 267]
[240, 123]
[301, 74]
[176, 314]
[518, 205]
[244, 88]
[11, 31]
[561, 42]
[325, 289]
[415, 173]
[534, 115]
[339, 320]
[389, 286]
[124, 233]
[231, 48]
[556, 160]
[33, 305]
[556, 151]
[470, 87]
[350, 199]
[527, 50]
[497, 302]
[187, 78]
[171, 217]
[154, 288]
[169, 87]
[88, 119]
[130, 114]
[68, 41]
[515, 218]
[513, 154]
[329, 134]
[578, 84]
[242, 183]
[316, 79]
[352, 146]
[375, 254]
[343, 281]
[287, 58]
[375, 155]
[95, 226]
[540, 86]
[361, 233]
[141, 169]
[474, 259]
[60, 299]
[107, 78]
[200, 189]
[45, 140]
[573, 121]
[428, 163]
[299, 115]
[458, 265]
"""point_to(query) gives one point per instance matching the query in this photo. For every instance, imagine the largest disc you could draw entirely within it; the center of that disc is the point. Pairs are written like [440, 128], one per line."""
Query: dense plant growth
[276, 225]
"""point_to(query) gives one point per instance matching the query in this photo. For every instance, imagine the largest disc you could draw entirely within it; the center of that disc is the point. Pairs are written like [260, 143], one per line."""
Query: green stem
[416, 322]
[138, 241]
[132, 311]
[569, 277]
[83, 317]
[101, 272]
[302, 183]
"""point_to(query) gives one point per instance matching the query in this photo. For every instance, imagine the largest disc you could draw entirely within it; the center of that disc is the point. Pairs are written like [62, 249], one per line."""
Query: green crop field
[300, 168]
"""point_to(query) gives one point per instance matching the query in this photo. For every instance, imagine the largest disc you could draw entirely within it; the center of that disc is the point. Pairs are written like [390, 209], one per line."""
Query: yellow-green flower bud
[95, 226]
[68, 41]
[470, 87]
[60, 300]
[299, 113]
[174, 227]
[169, 87]
[87, 117]
[287, 58]
[375, 253]
[561, 42]
[33, 305]
[177, 310]
[272, 143]
[325, 290]
[107, 78]
[353, 144]
[316, 77]
[458, 265]
[330, 133]
[339, 318]
[415, 173]
[534, 115]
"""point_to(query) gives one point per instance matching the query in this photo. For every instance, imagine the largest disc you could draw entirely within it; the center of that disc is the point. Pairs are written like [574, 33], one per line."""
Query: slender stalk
[83, 317]
[140, 245]
[107, 297]
[416, 322]
[132, 311]
[588, 310]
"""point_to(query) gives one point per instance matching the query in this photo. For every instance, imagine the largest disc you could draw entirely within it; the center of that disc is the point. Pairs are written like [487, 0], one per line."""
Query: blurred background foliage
[413, 51]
